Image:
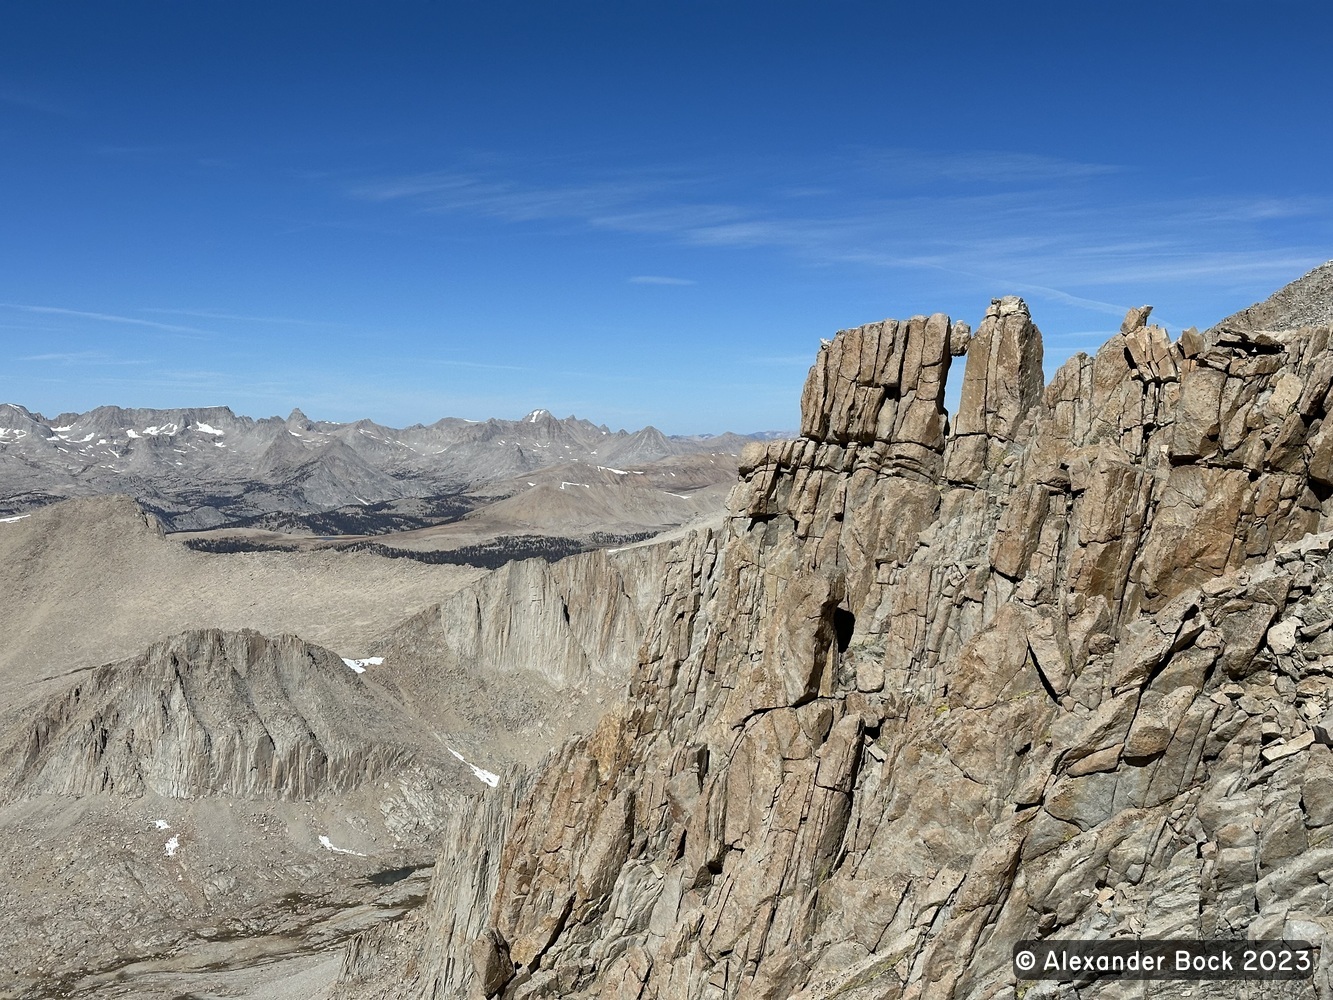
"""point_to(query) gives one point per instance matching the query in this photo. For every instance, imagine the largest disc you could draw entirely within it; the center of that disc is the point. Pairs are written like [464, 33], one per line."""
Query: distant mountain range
[206, 467]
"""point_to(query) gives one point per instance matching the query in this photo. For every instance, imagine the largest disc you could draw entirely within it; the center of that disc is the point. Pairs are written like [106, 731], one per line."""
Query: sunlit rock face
[1060, 670]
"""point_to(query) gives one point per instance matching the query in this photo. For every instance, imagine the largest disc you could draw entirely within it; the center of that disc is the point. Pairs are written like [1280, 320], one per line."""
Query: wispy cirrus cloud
[17, 97]
[456, 363]
[237, 317]
[660, 279]
[82, 358]
[100, 317]
[980, 166]
[1071, 230]
[510, 200]
[143, 150]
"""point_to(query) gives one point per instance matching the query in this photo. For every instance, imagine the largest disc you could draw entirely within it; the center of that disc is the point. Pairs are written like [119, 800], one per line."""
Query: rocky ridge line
[1307, 301]
[202, 467]
[924, 695]
[208, 713]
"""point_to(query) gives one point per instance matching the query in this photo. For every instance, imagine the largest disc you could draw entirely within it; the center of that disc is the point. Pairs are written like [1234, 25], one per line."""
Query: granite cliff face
[1061, 670]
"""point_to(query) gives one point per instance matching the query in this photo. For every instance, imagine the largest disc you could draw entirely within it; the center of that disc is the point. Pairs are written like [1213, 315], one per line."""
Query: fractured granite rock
[1063, 672]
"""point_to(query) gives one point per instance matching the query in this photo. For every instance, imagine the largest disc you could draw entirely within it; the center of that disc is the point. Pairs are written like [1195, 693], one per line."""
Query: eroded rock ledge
[1059, 672]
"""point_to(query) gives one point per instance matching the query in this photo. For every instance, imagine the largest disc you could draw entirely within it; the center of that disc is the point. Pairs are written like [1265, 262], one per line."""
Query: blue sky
[636, 212]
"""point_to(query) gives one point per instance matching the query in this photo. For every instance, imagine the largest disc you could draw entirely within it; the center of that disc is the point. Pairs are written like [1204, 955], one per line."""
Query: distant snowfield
[327, 844]
[203, 428]
[172, 846]
[367, 661]
[11, 520]
[481, 773]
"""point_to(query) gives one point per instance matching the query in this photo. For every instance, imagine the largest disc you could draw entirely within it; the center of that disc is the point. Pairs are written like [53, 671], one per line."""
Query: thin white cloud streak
[997, 214]
[147, 151]
[147, 389]
[1059, 295]
[1252, 264]
[1224, 210]
[507, 200]
[107, 318]
[979, 166]
[240, 318]
[454, 363]
[82, 357]
[659, 279]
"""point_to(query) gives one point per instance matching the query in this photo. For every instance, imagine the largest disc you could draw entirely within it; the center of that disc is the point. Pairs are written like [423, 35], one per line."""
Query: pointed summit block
[1136, 319]
[1002, 381]
[299, 422]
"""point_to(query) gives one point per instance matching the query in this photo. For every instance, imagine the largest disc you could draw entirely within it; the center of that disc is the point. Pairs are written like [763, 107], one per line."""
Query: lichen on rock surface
[1056, 671]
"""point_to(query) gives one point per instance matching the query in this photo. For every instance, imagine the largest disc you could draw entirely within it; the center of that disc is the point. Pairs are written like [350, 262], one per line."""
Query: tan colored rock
[1135, 319]
[1156, 722]
[490, 960]
[1003, 380]
[895, 719]
[1191, 342]
[1286, 748]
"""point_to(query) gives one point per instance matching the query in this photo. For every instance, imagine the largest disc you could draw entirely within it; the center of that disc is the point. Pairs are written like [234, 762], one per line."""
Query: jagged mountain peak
[298, 421]
[173, 458]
